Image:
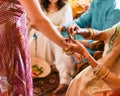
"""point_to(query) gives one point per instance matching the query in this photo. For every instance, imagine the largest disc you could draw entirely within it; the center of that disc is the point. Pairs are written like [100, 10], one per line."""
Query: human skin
[40, 22]
[108, 61]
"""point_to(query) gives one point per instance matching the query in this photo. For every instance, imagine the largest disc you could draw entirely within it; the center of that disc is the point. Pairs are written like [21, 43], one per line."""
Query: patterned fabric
[14, 54]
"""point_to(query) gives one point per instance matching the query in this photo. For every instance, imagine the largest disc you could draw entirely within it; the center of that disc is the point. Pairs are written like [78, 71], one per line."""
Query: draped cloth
[88, 84]
[15, 72]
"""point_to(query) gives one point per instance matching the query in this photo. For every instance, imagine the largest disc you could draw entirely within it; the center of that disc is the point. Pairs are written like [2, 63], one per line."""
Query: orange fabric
[79, 6]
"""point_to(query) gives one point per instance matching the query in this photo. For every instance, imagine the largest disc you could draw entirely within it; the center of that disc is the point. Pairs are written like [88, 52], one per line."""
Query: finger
[71, 29]
[74, 41]
[70, 37]
[66, 42]
[72, 46]
[66, 39]
[76, 28]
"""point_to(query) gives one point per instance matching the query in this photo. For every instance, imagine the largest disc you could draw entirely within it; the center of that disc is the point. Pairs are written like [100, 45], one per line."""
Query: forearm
[112, 81]
[40, 21]
[112, 58]
[99, 35]
[85, 43]
[49, 30]
[92, 62]
[91, 34]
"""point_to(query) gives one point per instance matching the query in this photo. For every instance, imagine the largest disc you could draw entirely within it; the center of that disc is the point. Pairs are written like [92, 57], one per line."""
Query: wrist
[85, 33]
[90, 34]
[101, 71]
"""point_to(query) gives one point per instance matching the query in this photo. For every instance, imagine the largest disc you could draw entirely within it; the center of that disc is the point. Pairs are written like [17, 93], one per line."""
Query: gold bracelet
[67, 51]
[91, 33]
[97, 69]
[74, 36]
[106, 74]
[101, 71]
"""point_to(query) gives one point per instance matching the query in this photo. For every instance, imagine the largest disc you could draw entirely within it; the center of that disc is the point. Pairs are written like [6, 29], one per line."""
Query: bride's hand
[75, 46]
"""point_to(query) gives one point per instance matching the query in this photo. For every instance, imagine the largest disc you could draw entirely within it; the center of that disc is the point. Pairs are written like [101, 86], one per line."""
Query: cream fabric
[86, 83]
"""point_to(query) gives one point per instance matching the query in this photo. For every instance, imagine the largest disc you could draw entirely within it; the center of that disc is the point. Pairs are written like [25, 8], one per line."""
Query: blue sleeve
[83, 21]
[112, 18]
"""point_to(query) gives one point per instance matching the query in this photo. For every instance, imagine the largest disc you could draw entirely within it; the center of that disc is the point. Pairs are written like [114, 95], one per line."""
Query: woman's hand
[75, 46]
[74, 29]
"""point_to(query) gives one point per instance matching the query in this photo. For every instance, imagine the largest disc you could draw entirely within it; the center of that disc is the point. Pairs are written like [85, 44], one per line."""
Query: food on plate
[36, 70]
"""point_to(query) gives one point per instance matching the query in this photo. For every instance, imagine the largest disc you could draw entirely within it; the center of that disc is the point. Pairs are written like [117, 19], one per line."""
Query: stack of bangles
[101, 71]
[67, 51]
[91, 32]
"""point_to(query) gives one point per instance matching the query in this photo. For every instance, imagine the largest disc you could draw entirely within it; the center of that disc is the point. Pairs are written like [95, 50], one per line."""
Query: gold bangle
[91, 33]
[101, 71]
[106, 74]
[97, 69]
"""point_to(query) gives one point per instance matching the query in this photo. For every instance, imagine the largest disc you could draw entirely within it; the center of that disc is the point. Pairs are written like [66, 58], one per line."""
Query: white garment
[52, 53]
[44, 47]
[61, 17]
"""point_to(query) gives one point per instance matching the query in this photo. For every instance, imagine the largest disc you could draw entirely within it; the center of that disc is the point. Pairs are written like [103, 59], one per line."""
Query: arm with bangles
[88, 33]
[107, 76]
[97, 35]
[101, 68]
[72, 29]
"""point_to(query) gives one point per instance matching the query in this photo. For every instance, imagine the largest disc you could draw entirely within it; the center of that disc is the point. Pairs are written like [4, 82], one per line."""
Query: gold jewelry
[67, 51]
[74, 36]
[97, 69]
[91, 33]
[101, 71]
[106, 74]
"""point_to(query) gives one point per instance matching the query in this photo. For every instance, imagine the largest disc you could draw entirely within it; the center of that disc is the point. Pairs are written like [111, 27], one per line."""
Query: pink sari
[14, 53]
